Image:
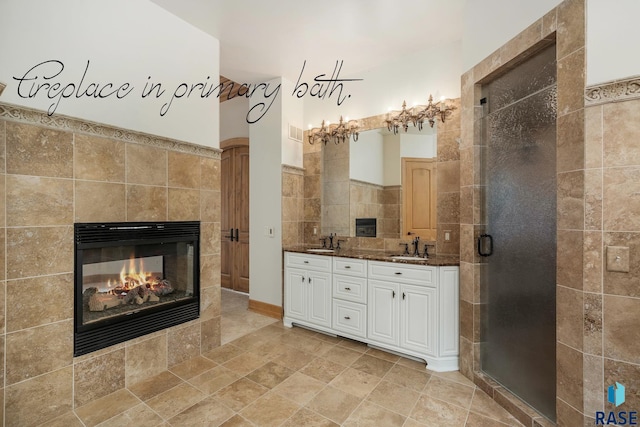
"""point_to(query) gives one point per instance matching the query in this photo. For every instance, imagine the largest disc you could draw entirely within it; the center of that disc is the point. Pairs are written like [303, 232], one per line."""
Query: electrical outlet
[315, 231]
[447, 235]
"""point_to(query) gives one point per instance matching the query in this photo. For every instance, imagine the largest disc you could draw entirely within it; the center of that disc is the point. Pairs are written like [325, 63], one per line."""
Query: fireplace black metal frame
[133, 324]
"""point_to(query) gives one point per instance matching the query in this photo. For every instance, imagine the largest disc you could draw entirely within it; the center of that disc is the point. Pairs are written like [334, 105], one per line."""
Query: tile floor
[269, 375]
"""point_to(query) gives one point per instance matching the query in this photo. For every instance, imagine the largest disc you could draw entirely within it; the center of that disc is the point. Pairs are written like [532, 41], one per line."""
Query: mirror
[363, 179]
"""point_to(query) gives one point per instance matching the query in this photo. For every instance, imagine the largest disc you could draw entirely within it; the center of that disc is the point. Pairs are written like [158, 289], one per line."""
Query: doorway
[419, 197]
[519, 282]
[234, 196]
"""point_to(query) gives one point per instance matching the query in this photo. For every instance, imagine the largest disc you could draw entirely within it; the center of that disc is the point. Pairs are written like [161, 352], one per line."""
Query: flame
[133, 275]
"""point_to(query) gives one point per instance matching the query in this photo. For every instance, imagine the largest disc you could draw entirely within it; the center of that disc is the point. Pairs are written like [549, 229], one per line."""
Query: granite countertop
[373, 255]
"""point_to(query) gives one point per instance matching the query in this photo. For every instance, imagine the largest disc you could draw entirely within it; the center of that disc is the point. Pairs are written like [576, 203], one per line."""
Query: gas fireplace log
[101, 302]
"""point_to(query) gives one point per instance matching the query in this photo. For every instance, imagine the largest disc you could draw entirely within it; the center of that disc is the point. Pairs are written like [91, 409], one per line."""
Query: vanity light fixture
[418, 114]
[337, 133]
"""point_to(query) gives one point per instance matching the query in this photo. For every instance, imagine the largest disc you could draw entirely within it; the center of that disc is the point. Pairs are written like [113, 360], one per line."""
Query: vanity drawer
[350, 288]
[395, 272]
[350, 318]
[350, 266]
[308, 262]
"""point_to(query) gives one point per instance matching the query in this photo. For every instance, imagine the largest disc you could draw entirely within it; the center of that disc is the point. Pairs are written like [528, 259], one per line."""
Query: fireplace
[132, 279]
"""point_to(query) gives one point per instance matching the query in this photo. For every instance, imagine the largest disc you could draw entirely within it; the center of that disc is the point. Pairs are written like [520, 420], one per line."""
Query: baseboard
[265, 309]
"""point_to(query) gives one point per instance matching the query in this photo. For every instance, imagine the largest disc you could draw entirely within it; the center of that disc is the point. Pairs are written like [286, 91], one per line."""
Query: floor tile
[245, 363]
[394, 397]
[207, 412]
[372, 365]
[155, 385]
[342, 355]
[369, 414]
[224, 353]
[139, 416]
[435, 412]
[307, 418]
[70, 419]
[176, 400]
[333, 404]
[240, 393]
[355, 382]
[270, 410]
[106, 407]
[323, 369]
[270, 374]
[214, 379]
[237, 421]
[299, 388]
[192, 367]
[450, 391]
[407, 377]
[273, 375]
[482, 404]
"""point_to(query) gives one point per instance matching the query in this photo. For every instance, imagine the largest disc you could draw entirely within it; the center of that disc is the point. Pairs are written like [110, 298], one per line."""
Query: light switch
[618, 258]
[447, 235]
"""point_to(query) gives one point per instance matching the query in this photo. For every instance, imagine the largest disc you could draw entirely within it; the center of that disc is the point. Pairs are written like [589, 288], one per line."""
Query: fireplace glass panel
[121, 279]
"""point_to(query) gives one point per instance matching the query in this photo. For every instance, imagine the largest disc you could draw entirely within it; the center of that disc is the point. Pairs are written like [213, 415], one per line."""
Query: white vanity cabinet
[307, 290]
[406, 308]
[350, 297]
[403, 306]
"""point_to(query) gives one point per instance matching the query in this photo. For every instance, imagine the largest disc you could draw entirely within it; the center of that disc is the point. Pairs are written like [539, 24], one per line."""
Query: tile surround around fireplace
[54, 172]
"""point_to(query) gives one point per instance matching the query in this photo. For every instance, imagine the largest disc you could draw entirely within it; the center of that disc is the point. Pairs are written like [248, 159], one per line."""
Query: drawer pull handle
[306, 262]
[347, 317]
[347, 289]
[393, 294]
[309, 279]
[302, 279]
[403, 295]
[347, 266]
[398, 273]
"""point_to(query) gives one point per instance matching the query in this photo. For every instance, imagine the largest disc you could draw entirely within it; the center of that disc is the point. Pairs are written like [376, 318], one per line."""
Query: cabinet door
[319, 286]
[383, 303]
[418, 326]
[295, 291]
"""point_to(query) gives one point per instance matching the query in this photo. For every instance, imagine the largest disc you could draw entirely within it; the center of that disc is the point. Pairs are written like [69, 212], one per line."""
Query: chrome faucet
[331, 236]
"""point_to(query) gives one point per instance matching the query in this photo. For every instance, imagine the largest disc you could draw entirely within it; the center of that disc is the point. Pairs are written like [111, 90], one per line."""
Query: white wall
[412, 78]
[392, 174]
[488, 24]
[126, 41]
[292, 114]
[265, 195]
[233, 122]
[612, 40]
[366, 158]
[416, 145]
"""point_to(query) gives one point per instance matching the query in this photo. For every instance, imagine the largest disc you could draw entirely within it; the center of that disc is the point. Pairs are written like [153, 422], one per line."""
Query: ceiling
[260, 40]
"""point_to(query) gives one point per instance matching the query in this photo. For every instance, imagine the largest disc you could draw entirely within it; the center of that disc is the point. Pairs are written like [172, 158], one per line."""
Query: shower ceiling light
[417, 115]
[338, 133]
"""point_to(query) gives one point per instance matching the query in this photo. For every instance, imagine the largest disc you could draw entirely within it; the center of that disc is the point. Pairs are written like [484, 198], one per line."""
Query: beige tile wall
[57, 172]
[611, 351]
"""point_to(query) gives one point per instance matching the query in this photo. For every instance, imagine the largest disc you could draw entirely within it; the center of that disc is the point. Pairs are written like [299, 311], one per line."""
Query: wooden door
[419, 198]
[234, 241]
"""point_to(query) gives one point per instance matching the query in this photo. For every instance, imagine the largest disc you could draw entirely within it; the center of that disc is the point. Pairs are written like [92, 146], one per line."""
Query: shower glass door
[519, 171]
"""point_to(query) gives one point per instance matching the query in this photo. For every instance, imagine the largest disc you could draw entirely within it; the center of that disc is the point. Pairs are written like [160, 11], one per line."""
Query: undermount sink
[407, 258]
[321, 251]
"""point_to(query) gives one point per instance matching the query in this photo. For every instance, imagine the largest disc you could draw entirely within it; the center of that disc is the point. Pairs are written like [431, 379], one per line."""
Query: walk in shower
[519, 247]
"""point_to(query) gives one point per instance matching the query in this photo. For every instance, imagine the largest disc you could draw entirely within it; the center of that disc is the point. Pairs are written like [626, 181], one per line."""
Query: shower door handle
[488, 246]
